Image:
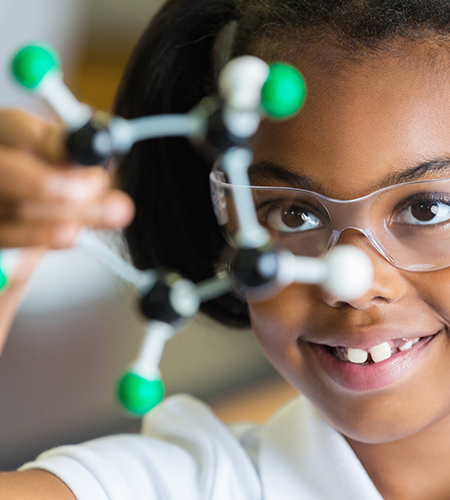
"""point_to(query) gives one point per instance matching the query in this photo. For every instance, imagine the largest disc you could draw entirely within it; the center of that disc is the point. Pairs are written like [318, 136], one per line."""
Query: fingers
[114, 209]
[23, 131]
[57, 225]
[45, 200]
[24, 176]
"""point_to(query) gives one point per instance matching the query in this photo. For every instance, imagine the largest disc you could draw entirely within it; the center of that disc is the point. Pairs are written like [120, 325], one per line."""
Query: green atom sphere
[284, 92]
[32, 63]
[139, 395]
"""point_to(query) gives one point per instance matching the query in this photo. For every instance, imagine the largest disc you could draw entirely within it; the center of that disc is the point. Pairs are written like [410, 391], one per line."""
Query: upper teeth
[378, 353]
[407, 345]
[357, 355]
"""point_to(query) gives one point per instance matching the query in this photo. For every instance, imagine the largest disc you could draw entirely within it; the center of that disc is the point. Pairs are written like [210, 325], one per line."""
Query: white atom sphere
[350, 273]
[184, 298]
[241, 82]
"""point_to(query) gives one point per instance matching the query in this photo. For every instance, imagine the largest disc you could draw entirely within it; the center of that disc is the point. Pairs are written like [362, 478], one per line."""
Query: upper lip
[368, 339]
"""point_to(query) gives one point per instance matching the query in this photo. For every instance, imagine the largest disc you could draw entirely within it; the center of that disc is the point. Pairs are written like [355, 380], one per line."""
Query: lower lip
[374, 376]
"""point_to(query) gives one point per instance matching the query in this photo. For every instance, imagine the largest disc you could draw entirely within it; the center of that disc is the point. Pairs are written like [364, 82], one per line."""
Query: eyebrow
[270, 172]
[416, 172]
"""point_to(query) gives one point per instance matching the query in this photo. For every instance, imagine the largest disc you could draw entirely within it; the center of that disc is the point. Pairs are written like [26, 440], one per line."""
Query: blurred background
[77, 328]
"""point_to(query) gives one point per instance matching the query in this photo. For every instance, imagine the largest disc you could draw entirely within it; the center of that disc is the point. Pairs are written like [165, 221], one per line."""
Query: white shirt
[186, 453]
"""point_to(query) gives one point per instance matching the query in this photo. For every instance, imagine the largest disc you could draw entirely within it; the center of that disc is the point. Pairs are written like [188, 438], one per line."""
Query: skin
[33, 485]
[362, 122]
[10, 300]
[44, 201]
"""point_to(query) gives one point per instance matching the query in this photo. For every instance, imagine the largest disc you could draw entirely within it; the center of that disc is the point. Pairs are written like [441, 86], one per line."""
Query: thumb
[23, 131]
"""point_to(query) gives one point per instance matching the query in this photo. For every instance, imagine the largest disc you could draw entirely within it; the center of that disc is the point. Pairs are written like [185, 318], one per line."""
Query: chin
[374, 418]
[376, 432]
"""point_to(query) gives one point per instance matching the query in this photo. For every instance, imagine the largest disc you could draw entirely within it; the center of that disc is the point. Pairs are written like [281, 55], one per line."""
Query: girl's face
[363, 122]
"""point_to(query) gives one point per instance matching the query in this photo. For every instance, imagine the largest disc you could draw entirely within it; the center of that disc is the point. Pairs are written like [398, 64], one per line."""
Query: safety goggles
[408, 224]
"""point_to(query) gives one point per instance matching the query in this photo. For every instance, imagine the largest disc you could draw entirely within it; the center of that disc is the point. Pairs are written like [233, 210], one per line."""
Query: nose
[388, 284]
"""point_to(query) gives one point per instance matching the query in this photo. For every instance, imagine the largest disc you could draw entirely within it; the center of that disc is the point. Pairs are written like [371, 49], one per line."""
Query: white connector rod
[214, 287]
[88, 240]
[346, 273]
[152, 348]
[235, 163]
[73, 113]
[125, 133]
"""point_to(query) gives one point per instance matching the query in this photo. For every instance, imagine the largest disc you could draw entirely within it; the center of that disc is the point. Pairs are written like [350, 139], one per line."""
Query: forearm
[11, 298]
[9, 303]
[33, 485]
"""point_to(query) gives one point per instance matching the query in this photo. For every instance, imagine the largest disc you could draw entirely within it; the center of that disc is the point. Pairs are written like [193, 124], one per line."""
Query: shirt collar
[303, 457]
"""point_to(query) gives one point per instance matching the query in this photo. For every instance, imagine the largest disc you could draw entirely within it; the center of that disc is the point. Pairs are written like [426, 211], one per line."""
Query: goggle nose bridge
[368, 234]
[352, 214]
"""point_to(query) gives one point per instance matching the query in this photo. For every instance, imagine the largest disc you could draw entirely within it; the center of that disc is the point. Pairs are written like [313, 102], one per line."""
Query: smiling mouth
[375, 354]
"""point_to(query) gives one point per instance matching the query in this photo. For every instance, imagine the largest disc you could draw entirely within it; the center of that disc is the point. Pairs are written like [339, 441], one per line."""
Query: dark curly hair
[175, 64]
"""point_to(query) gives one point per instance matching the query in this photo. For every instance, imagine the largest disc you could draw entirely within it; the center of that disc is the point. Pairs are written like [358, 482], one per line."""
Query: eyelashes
[288, 216]
[423, 209]
[297, 216]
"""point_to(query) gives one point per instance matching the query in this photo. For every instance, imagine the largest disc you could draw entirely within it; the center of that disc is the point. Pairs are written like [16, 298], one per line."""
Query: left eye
[422, 213]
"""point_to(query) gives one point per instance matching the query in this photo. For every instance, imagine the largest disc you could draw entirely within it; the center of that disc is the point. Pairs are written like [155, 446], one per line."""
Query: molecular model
[249, 90]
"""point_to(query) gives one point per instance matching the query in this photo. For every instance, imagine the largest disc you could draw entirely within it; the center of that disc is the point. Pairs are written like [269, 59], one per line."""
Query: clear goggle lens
[409, 224]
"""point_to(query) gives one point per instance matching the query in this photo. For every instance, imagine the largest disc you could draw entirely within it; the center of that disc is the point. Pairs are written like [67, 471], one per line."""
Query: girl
[376, 121]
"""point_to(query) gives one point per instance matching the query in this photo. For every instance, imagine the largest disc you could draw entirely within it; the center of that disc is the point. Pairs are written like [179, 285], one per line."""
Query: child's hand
[44, 199]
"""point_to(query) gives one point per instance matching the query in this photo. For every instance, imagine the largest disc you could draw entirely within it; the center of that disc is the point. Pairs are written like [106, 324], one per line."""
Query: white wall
[61, 23]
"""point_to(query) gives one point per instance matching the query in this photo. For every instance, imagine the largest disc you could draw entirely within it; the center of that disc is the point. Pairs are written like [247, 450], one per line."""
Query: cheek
[278, 323]
[391, 414]
[433, 289]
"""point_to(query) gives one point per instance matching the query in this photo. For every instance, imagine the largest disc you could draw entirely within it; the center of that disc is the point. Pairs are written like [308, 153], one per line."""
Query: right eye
[291, 218]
